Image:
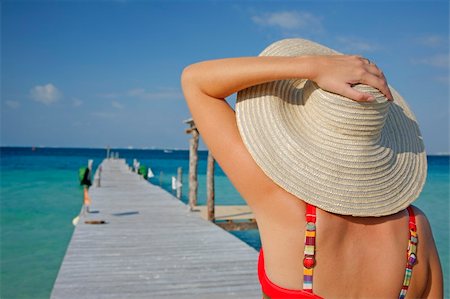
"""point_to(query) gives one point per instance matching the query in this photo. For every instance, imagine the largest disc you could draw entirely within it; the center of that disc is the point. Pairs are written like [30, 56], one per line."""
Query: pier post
[210, 187]
[99, 176]
[180, 182]
[193, 162]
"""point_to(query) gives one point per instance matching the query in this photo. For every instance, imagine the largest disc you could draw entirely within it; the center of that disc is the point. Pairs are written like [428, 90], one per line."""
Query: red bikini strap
[309, 259]
[411, 253]
[310, 213]
[412, 219]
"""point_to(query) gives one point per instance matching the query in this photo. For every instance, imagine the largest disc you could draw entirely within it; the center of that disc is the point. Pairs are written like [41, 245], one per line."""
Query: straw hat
[345, 157]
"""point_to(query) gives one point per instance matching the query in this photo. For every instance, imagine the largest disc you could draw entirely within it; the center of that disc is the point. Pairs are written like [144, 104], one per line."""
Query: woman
[333, 219]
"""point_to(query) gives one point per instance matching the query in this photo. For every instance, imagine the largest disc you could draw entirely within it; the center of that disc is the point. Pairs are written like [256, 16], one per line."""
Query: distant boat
[168, 151]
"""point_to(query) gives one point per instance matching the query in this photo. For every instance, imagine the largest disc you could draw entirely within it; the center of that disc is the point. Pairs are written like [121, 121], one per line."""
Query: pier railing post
[193, 162]
[161, 178]
[180, 182]
[210, 187]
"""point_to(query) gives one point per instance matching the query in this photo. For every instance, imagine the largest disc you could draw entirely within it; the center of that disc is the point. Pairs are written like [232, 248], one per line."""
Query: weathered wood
[231, 225]
[151, 246]
[240, 212]
[210, 187]
[193, 162]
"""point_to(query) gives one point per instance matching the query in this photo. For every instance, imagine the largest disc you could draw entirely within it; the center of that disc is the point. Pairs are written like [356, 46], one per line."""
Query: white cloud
[432, 40]
[12, 104]
[353, 45]
[290, 20]
[77, 102]
[443, 79]
[136, 92]
[438, 60]
[111, 95]
[163, 94]
[116, 105]
[46, 94]
[102, 114]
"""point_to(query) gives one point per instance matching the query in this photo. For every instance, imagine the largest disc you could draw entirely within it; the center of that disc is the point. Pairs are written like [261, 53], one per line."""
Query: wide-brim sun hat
[345, 157]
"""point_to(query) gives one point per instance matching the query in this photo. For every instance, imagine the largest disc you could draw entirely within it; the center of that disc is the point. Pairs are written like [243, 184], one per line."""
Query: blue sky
[99, 73]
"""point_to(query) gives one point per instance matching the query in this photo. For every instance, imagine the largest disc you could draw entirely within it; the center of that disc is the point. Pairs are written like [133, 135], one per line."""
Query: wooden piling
[193, 163]
[180, 182]
[210, 186]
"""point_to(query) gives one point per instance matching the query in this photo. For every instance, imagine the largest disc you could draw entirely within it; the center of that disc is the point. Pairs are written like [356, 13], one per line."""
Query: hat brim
[334, 175]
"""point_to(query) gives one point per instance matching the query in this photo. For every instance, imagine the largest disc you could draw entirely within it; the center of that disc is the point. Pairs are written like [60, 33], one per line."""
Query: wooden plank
[234, 225]
[151, 246]
[210, 190]
[240, 212]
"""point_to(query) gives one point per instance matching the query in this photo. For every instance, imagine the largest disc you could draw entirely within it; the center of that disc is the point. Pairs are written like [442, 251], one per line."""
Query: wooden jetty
[151, 246]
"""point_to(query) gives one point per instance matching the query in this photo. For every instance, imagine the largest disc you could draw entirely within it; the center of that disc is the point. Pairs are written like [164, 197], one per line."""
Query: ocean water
[40, 195]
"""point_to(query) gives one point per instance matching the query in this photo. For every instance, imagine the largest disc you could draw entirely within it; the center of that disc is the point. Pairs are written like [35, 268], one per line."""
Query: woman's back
[355, 257]
[369, 176]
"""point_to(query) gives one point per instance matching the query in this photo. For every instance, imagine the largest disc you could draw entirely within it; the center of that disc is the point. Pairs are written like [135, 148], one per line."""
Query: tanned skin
[357, 257]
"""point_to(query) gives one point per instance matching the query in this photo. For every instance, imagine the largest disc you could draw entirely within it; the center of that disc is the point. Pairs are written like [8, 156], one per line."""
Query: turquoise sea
[40, 195]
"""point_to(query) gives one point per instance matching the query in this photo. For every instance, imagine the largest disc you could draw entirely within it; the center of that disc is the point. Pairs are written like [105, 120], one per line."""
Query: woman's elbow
[189, 77]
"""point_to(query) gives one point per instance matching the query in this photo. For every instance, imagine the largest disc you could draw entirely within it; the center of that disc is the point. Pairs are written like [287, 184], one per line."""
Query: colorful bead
[309, 250]
[412, 259]
[308, 262]
[310, 226]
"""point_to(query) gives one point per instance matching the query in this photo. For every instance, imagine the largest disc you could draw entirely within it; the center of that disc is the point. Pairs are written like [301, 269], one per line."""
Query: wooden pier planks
[240, 212]
[151, 247]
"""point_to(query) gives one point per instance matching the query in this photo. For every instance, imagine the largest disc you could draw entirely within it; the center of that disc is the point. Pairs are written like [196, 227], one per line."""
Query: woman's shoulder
[425, 235]
[427, 273]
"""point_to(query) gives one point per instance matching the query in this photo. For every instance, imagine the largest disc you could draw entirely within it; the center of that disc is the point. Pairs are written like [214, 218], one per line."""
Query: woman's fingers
[373, 69]
[378, 83]
[374, 77]
[339, 73]
[356, 95]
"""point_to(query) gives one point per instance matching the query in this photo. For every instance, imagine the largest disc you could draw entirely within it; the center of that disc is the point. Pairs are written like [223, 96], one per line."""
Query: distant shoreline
[101, 148]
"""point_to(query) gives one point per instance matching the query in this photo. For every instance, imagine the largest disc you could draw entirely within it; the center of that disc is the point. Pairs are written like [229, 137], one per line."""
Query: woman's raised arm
[336, 73]
[207, 84]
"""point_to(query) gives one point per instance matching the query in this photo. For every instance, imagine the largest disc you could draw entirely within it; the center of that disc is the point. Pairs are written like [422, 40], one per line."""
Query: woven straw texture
[345, 157]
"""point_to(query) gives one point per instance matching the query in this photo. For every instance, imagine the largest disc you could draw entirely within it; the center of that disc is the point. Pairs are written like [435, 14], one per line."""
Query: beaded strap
[411, 256]
[310, 245]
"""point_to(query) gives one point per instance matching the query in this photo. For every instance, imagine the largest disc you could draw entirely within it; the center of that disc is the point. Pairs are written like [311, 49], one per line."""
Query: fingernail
[371, 98]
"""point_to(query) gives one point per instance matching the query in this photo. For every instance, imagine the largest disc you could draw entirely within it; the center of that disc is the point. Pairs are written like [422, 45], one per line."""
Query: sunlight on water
[40, 195]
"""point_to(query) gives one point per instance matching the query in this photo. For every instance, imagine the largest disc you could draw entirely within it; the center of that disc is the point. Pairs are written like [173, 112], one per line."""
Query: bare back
[355, 257]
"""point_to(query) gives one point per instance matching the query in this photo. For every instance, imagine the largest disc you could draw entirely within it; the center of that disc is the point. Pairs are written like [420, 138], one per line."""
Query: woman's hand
[338, 73]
